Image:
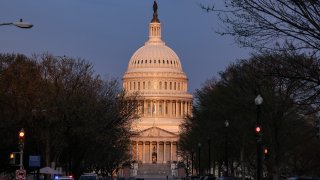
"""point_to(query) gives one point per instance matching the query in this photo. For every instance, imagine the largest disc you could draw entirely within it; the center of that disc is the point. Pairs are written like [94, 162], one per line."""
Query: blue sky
[107, 32]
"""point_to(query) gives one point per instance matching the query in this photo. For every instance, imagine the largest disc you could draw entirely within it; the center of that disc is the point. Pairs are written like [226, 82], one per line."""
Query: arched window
[160, 85]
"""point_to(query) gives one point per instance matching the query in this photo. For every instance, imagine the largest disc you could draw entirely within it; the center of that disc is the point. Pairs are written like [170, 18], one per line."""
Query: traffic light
[21, 136]
[258, 130]
[12, 158]
[266, 153]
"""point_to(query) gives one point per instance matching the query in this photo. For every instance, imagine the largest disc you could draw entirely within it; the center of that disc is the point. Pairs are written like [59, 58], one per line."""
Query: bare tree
[272, 24]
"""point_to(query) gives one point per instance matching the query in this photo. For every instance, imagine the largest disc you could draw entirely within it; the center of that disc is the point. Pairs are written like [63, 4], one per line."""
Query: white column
[150, 152]
[181, 108]
[164, 152]
[176, 109]
[158, 108]
[170, 109]
[143, 152]
[137, 149]
[164, 108]
[157, 151]
[171, 144]
[145, 110]
[186, 107]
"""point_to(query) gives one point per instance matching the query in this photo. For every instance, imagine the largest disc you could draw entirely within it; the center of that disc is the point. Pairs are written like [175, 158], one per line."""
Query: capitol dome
[154, 56]
[155, 73]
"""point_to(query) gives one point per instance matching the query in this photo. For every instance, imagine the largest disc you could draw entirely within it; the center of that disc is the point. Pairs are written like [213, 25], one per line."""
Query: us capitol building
[155, 72]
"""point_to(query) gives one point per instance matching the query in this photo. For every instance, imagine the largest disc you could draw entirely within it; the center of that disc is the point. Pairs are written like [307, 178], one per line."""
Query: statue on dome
[155, 7]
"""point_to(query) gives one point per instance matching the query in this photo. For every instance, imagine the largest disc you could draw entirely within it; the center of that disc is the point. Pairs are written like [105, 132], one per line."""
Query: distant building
[155, 71]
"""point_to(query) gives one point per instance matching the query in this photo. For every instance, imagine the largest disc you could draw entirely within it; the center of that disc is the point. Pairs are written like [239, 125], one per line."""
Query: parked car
[63, 178]
[227, 178]
[302, 178]
[89, 176]
[209, 177]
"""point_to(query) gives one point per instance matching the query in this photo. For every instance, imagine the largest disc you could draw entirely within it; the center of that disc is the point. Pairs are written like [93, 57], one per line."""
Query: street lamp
[192, 153]
[209, 164]
[199, 149]
[226, 125]
[258, 101]
[21, 146]
[19, 24]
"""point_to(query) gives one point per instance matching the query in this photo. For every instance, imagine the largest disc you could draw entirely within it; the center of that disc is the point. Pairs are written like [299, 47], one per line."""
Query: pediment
[156, 132]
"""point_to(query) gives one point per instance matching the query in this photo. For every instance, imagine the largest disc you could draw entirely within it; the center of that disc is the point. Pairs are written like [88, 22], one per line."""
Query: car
[63, 178]
[89, 176]
[227, 178]
[302, 178]
[209, 177]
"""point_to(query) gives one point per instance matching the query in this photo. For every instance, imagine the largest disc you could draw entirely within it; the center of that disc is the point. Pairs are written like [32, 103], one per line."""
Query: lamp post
[199, 150]
[209, 164]
[258, 101]
[226, 125]
[192, 152]
[19, 24]
[21, 147]
[187, 165]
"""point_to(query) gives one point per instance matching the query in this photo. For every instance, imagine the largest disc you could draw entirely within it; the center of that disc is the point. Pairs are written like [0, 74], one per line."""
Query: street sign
[34, 161]
[20, 174]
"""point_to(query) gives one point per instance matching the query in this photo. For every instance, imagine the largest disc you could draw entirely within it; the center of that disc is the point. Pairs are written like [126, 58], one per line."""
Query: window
[170, 85]
[165, 85]
[160, 85]
[138, 85]
[149, 85]
[144, 85]
[175, 85]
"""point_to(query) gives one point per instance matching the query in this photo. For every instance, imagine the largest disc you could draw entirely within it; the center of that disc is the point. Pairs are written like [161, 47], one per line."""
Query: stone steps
[154, 170]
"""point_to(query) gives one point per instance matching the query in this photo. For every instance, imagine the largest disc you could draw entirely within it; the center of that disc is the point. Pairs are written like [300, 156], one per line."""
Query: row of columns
[162, 85]
[154, 153]
[165, 108]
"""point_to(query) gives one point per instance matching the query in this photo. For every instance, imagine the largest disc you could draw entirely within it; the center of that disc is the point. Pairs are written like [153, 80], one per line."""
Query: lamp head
[258, 100]
[226, 123]
[22, 24]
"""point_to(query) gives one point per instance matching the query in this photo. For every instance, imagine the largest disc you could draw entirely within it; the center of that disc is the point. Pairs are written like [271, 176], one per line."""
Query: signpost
[34, 161]
[20, 174]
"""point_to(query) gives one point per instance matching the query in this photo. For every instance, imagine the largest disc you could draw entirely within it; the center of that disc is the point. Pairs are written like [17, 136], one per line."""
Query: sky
[108, 32]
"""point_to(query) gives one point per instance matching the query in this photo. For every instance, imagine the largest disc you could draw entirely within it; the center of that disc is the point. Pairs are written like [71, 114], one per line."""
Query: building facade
[155, 72]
